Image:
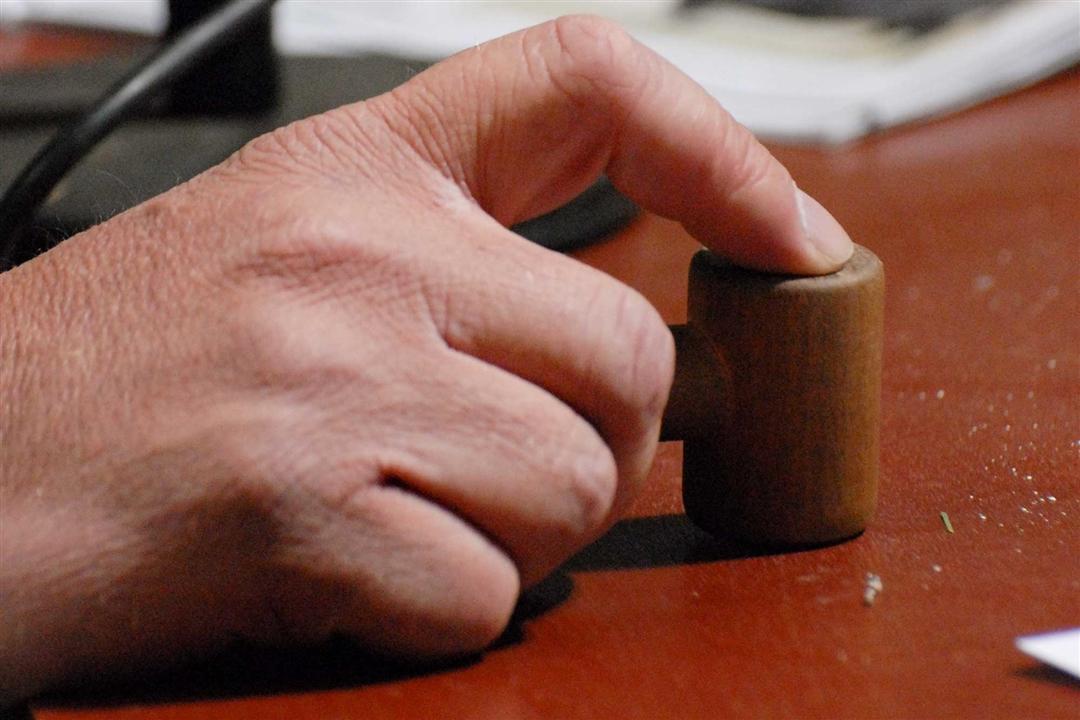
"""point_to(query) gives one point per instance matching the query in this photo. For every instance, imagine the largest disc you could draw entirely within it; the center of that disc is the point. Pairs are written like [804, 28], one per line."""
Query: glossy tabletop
[977, 220]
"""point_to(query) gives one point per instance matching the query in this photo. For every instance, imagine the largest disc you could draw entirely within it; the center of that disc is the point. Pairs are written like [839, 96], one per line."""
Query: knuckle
[288, 309]
[264, 340]
[645, 359]
[306, 245]
[448, 599]
[593, 480]
[284, 350]
[592, 42]
[312, 249]
[593, 54]
[481, 617]
[748, 165]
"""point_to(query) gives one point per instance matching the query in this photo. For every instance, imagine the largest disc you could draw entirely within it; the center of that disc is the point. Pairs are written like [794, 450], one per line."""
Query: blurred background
[794, 71]
[823, 70]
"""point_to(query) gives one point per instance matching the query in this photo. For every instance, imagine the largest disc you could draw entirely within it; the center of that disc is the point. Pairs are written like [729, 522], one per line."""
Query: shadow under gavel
[777, 399]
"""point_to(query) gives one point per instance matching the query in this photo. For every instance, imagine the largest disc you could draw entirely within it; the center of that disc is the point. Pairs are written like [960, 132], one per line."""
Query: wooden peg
[776, 397]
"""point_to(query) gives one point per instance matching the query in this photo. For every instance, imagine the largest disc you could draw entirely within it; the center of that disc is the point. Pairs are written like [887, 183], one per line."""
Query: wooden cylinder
[776, 397]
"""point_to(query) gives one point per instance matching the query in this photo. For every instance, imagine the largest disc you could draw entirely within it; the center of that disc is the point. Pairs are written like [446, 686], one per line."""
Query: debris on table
[872, 587]
[948, 523]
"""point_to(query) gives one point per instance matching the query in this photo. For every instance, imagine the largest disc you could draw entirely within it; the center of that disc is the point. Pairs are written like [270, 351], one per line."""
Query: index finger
[525, 122]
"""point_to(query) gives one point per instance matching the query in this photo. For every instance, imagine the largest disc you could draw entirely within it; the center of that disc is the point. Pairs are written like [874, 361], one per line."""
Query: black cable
[72, 142]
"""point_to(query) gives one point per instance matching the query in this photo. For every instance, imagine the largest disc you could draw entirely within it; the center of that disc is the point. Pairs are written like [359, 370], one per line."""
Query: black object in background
[207, 116]
[239, 79]
[130, 94]
[918, 16]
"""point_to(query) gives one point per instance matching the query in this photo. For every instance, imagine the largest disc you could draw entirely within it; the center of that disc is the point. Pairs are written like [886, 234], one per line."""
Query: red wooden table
[977, 220]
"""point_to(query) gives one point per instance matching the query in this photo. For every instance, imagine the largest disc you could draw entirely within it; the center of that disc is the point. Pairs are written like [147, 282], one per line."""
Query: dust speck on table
[872, 587]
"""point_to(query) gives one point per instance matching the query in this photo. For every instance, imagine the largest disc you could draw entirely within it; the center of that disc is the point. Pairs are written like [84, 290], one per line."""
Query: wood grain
[776, 397]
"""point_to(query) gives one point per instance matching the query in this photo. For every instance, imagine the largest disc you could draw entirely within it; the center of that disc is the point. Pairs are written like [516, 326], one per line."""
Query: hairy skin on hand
[322, 389]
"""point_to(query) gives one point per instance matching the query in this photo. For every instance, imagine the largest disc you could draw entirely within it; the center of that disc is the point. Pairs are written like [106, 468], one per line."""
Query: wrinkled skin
[321, 389]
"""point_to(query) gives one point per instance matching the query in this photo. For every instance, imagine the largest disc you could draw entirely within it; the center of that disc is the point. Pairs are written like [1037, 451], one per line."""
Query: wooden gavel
[776, 397]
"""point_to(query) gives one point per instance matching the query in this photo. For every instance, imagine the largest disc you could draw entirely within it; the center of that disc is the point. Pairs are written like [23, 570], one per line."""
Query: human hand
[321, 388]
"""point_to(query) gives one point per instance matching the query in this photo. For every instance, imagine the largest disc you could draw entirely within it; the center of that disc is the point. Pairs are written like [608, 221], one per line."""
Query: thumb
[527, 121]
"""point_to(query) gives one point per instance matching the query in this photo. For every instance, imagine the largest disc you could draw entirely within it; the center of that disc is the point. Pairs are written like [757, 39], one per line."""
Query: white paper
[784, 78]
[1060, 649]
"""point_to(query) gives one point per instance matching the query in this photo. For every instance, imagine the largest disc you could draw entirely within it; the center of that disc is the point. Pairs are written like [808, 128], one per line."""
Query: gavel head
[776, 398]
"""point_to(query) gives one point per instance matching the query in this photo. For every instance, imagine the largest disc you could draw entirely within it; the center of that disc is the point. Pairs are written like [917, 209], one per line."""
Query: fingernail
[824, 233]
